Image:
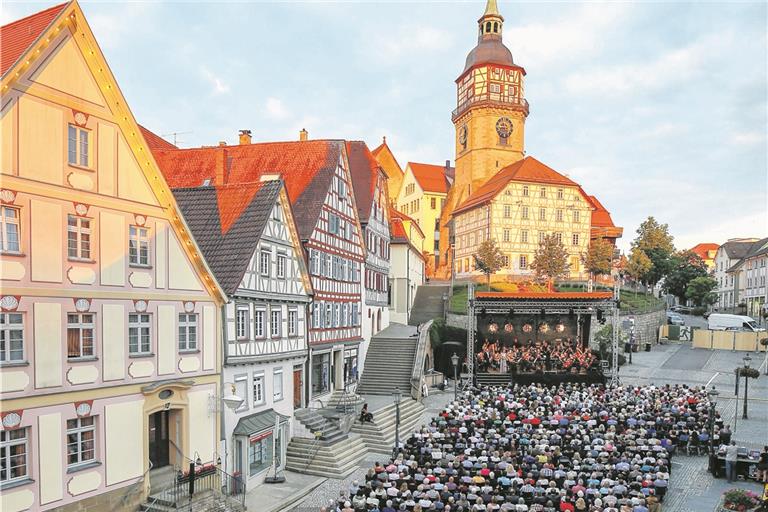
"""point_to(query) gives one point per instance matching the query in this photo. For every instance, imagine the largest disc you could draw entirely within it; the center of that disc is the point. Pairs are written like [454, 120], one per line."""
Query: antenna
[175, 136]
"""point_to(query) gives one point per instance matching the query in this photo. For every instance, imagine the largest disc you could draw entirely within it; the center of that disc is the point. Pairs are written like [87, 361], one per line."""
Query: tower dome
[490, 48]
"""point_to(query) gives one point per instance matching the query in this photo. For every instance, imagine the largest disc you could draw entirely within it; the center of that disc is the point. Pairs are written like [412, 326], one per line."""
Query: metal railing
[208, 482]
[491, 99]
[314, 448]
[418, 360]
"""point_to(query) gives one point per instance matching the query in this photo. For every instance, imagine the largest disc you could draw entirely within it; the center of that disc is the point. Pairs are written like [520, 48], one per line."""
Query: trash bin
[648, 347]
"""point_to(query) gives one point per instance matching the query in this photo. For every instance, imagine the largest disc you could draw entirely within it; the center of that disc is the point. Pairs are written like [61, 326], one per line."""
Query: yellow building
[422, 197]
[110, 317]
[388, 163]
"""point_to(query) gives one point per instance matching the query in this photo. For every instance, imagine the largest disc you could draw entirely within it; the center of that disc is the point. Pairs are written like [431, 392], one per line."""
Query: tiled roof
[364, 170]
[703, 249]
[758, 248]
[384, 148]
[16, 37]
[544, 295]
[400, 216]
[528, 170]
[227, 223]
[154, 141]
[737, 249]
[432, 178]
[306, 167]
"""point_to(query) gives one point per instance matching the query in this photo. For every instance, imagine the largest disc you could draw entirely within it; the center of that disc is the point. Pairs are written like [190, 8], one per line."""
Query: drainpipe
[224, 354]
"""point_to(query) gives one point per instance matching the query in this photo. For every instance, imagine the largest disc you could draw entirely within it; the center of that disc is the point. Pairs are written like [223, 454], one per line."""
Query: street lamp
[712, 395]
[396, 394]
[455, 363]
[747, 361]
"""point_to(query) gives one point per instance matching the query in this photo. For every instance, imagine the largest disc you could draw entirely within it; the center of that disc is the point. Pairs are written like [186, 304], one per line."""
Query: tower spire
[491, 9]
[490, 23]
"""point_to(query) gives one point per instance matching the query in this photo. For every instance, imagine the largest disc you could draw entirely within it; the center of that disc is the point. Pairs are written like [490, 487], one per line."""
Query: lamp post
[455, 363]
[712, 395]
[396, 394]
[747, 360]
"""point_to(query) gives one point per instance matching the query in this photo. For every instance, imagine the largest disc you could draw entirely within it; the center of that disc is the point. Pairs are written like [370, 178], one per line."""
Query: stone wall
[124, 499]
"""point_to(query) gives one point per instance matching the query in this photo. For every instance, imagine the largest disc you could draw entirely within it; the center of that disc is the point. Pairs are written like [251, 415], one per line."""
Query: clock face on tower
[463, 135]
[504, 127]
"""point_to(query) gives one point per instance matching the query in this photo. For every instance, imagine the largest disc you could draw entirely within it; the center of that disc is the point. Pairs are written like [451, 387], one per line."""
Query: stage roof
[545, 295]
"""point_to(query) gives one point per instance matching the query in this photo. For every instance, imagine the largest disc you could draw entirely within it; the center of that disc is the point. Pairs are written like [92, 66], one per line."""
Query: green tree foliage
[685, 267]
[701, 291]
[489, 259]
[597, 259]
[638, 265]
[550, 262]
[657, 244]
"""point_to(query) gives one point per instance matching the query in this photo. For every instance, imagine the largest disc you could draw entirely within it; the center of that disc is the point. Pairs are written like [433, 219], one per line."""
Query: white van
[722, 322]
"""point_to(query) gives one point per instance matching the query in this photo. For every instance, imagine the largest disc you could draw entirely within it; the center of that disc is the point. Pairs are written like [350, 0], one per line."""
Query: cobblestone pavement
[692, 488]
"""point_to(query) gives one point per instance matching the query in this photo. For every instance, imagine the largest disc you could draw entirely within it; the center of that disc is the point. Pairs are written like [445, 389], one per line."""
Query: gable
[65, 70]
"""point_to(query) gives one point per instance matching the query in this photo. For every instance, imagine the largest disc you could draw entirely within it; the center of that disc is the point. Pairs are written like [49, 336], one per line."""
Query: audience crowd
[559, 355]
[534, 449]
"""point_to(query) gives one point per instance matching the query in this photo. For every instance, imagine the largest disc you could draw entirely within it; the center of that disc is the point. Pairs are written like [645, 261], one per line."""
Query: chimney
[221, 166]
[222, 143]
[303, 134]
[245, 137]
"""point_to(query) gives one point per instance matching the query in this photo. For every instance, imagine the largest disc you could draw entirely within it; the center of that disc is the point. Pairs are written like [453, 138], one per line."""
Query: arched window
[495, 27]
[488, 27]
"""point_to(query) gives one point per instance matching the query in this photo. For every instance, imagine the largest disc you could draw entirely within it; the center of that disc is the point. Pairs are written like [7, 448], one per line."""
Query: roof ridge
[38, 13]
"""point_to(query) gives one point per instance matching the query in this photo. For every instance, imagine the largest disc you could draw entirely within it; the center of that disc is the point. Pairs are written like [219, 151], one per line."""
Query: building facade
[369, 184]
[727, 271]
[756, 292]
[407, 270]
[388, 163]
[110, 327]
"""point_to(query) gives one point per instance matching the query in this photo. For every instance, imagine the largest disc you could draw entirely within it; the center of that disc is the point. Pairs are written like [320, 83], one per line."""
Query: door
[158, 439]
[298, 386]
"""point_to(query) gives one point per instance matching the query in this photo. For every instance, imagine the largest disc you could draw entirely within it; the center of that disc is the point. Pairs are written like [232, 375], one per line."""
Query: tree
[657, 244]
[597, 259]
[638, 265]
[550, 262]
[701, 291]
[489, 259]
[685, 267]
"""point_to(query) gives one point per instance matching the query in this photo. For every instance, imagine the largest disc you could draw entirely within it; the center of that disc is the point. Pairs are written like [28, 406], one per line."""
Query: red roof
[154, 141]
[233, 200]
[16, 37]
[528, 170]
[364, 170]
[704, 248]
[544, 295]
[401, 217]
[432, 178]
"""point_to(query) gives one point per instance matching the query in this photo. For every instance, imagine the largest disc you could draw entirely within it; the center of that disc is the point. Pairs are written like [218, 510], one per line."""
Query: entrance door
[297, 388]
[158, 439]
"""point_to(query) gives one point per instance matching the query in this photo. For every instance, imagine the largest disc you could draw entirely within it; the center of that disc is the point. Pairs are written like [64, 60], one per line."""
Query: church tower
[489, 118]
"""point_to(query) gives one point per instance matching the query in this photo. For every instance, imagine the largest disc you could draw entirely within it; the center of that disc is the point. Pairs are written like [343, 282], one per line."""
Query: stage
[542, 337]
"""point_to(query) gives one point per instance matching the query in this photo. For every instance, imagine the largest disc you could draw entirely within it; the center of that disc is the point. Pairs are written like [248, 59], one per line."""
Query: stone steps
[388, 364]
[428, 304]
[379, 435]
[316, 422]
[333, 460]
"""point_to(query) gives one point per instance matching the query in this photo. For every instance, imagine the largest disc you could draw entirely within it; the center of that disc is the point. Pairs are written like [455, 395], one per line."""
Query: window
[138, 246]
[576, 219]
[337, 315]
[542, 235]
[258, 389]
[81, 441]
[575, 239]
[277, 384]
[328, 315]
[542, 192]
[281, 266]
[342, 188]
[259, 453]
[241, 322]
[328, 269]
[13, 455]
[77, 148]
[187, 331]
[542, 214]
[524, 236]
[241, 390]
[139, 334]
[258, 323]
[11, 337]
[79, 335]
[314, 262]
[559, 193]
[523, 262]
[495, 88]
[9, 235]
[275, 324]
[433, 202]
[575, 264]
[559, 215]
[264, 262]
[524, 212]
[78, 238]
[559, 237]
[505, 237]
[355, 314]
[293, 322]
[525, 190]
[410, 188]
[507, 211]
[276, 214]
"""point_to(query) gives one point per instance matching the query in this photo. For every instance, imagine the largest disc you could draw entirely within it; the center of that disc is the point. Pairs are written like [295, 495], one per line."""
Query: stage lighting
[543, 312]
[600, 315]
[483, 313]
[571, 313]
[511, 312]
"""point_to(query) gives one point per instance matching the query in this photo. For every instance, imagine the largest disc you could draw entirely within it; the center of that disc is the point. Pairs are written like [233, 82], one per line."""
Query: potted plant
[740, 500]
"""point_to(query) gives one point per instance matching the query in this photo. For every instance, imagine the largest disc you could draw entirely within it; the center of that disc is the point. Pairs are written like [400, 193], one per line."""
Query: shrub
[740, 499]
[699, 311]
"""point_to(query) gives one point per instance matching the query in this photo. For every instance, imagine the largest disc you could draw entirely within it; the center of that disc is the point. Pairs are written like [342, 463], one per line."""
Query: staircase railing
[418, 360]
[314, 448]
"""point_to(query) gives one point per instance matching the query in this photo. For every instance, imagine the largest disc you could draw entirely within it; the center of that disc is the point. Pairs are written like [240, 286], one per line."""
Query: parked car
[685, 310]
[675, 318]
[726, 322]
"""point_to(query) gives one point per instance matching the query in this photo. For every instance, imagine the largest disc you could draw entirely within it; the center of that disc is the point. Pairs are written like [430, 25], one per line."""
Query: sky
[657, 108]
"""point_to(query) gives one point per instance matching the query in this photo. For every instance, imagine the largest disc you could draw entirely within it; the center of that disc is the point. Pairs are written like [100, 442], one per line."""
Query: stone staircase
[389, 364]
[494, 379]
[428, 303]
[379, 435]
[317, 422]
[333, 459]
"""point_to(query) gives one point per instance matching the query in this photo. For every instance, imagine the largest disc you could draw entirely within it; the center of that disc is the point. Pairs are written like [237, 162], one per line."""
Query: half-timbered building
[248, 236]
[370, 186]
[319, 186]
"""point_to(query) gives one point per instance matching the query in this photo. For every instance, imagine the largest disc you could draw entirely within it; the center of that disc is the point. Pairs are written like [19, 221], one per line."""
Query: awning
[257, 422]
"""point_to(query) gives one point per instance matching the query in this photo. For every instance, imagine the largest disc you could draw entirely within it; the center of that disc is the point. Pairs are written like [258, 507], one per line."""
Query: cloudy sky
[658, 108]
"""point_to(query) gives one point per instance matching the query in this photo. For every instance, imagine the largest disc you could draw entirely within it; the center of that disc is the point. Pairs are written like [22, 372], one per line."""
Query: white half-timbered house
[248, 236]
[370, 186]
[319, 187]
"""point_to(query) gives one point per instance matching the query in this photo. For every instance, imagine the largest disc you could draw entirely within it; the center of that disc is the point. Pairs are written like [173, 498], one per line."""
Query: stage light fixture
[483, 313]
[511, 312]
[571, 313]
[600, 315]
[543, 312]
